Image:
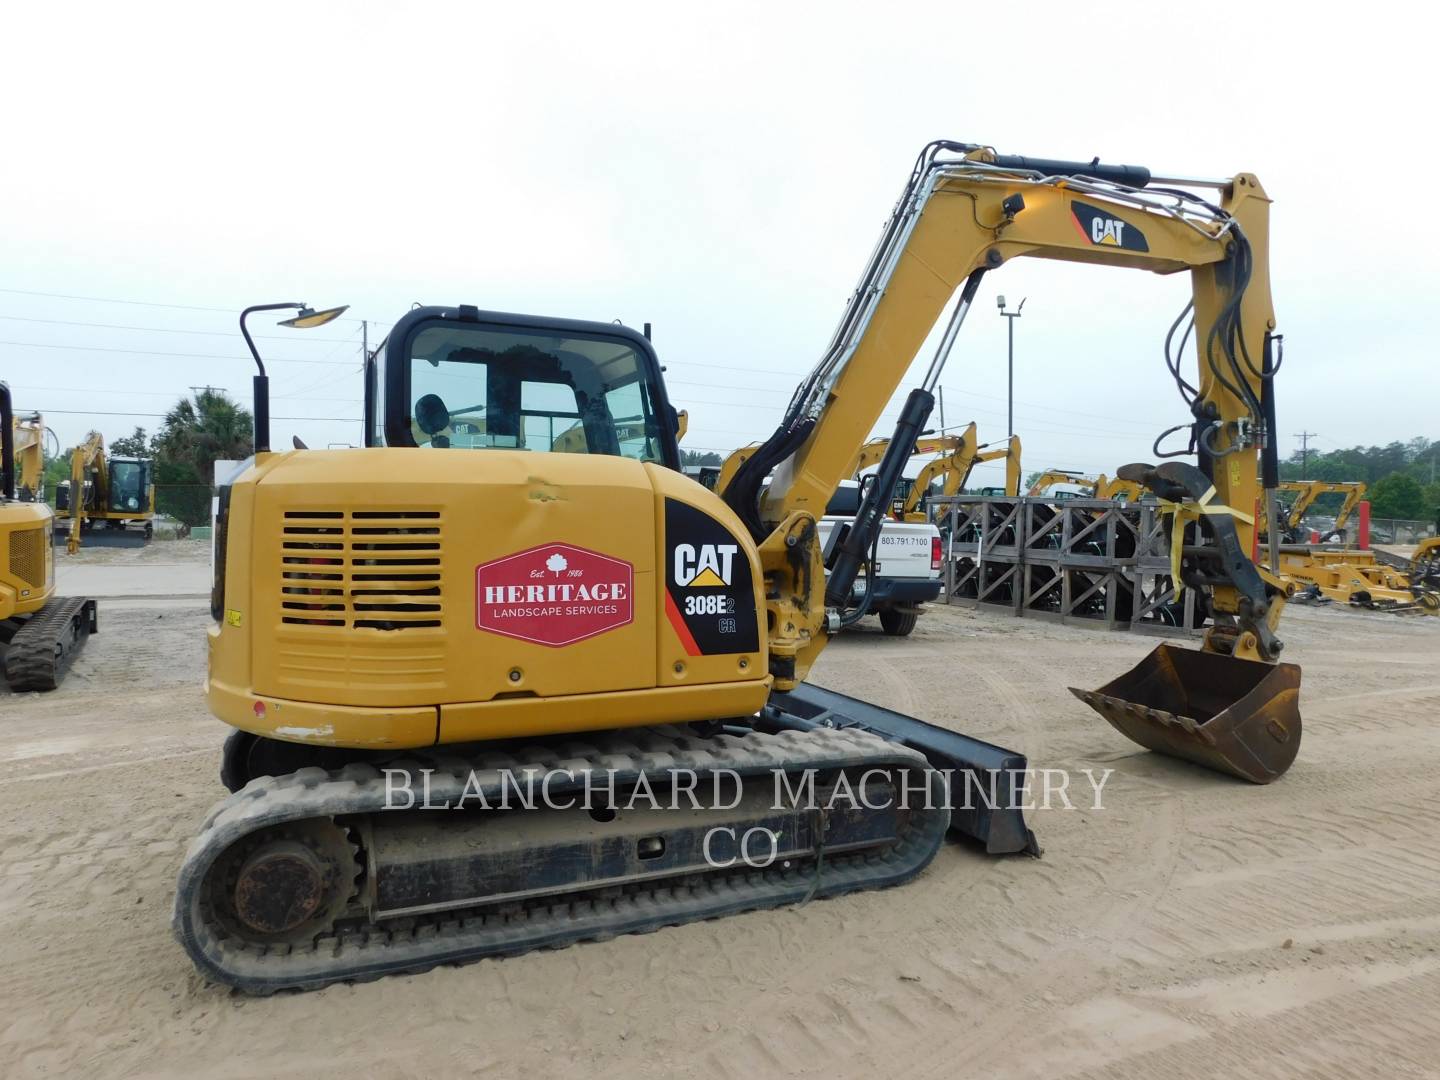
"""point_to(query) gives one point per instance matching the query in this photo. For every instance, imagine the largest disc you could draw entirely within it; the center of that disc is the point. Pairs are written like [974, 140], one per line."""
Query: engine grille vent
[361, 569]
[27, 556]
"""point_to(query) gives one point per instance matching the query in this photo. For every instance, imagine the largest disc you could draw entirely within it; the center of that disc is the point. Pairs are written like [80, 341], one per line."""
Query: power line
[112, 300]
[1130, 420]
[141, 303]
[179, 355]
[171, 330]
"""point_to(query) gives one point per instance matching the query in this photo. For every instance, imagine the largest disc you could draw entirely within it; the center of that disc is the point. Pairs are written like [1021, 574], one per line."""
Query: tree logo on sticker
[555, 594]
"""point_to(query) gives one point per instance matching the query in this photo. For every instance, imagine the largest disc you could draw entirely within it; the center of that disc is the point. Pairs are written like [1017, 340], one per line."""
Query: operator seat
[432, 417]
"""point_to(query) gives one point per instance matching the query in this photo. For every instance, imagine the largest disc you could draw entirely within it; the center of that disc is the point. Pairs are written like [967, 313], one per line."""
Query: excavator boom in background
[947, 474]
[29, 441]
[1050, 477]
[1097, 487]
[471, 604]
[1306, 492]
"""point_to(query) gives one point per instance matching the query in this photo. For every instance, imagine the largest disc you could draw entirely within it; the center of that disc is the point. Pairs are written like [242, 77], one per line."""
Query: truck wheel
[898, 623]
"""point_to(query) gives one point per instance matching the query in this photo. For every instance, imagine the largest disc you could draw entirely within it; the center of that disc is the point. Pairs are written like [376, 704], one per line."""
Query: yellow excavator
[40, 631]
[113, 492]
[406, 633]
[1097, 487]
[1306, 492]
[1050, 477]
[947, 474]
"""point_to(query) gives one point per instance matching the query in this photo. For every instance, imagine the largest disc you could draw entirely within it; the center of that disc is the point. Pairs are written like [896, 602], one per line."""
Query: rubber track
[416, 944]
[42, 649]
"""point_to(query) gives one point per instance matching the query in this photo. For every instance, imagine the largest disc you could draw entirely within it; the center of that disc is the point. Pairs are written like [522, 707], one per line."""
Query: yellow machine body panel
[27, 560]
[403, 596]
[472, 581]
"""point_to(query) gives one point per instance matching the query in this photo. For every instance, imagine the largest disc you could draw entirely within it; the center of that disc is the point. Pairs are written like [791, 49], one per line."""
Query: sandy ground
[1195, 927]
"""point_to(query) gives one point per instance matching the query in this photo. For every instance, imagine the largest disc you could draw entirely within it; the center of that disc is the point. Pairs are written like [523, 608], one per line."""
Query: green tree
[695, 457]
[57, 469]
[1431, 499]
[136, 445]
[1398, 496]
[194, 436]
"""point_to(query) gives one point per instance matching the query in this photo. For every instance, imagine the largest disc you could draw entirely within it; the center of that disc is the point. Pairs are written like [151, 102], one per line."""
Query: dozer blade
[1235, 716]
[985, 781]
[105, 538]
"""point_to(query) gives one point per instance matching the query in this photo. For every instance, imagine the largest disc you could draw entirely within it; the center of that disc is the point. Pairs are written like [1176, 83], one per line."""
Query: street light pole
[1010, 366]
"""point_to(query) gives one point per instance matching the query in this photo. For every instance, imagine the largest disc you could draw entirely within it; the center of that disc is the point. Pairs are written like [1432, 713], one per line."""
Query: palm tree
[194, 436]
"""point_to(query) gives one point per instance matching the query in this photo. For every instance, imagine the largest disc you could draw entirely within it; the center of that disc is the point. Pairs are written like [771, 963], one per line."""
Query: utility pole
[1010, 367]
[1305, 437]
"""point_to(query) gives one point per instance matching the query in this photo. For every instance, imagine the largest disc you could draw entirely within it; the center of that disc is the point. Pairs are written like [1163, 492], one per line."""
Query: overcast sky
[719, 171]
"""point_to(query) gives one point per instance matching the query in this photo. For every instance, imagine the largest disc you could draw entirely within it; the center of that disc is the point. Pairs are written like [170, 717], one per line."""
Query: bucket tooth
[1240, 717]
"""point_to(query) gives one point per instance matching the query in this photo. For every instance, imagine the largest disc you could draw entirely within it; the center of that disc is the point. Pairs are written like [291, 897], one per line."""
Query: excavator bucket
[1236, 716]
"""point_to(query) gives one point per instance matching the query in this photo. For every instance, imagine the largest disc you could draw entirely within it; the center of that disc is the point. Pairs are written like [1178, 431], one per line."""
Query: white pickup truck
[907, 562]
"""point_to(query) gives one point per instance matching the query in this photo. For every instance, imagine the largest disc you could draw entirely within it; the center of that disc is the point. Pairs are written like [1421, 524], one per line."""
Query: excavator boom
[29, 435]
[964, 213]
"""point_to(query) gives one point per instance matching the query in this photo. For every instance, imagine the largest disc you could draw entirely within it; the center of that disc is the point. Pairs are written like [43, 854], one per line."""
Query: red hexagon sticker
[555, 594]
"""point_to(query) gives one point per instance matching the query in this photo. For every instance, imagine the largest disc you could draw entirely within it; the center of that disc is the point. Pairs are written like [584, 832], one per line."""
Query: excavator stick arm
[958, 219]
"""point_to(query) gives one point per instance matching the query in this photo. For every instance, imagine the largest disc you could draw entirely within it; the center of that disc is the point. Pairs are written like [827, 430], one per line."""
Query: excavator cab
[551, 387]
[132, 486]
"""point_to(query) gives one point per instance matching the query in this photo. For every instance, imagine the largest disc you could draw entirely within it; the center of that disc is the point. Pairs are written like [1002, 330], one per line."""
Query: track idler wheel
[287, 884]
[280, 888]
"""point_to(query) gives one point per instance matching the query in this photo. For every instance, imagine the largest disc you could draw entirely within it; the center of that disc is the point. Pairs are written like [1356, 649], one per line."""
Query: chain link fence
[1399, 531]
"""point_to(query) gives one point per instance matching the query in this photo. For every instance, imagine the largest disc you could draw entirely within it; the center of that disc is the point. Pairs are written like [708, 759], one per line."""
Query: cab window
[489, 387]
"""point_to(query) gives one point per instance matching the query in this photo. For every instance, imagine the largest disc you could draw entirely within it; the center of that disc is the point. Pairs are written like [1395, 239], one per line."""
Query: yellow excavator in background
[40, 631]
[1117, 488]
[1098, 487]
[410, 626]
[1050, 477]
[1306, 492]
[117, 492]
[947, 474]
